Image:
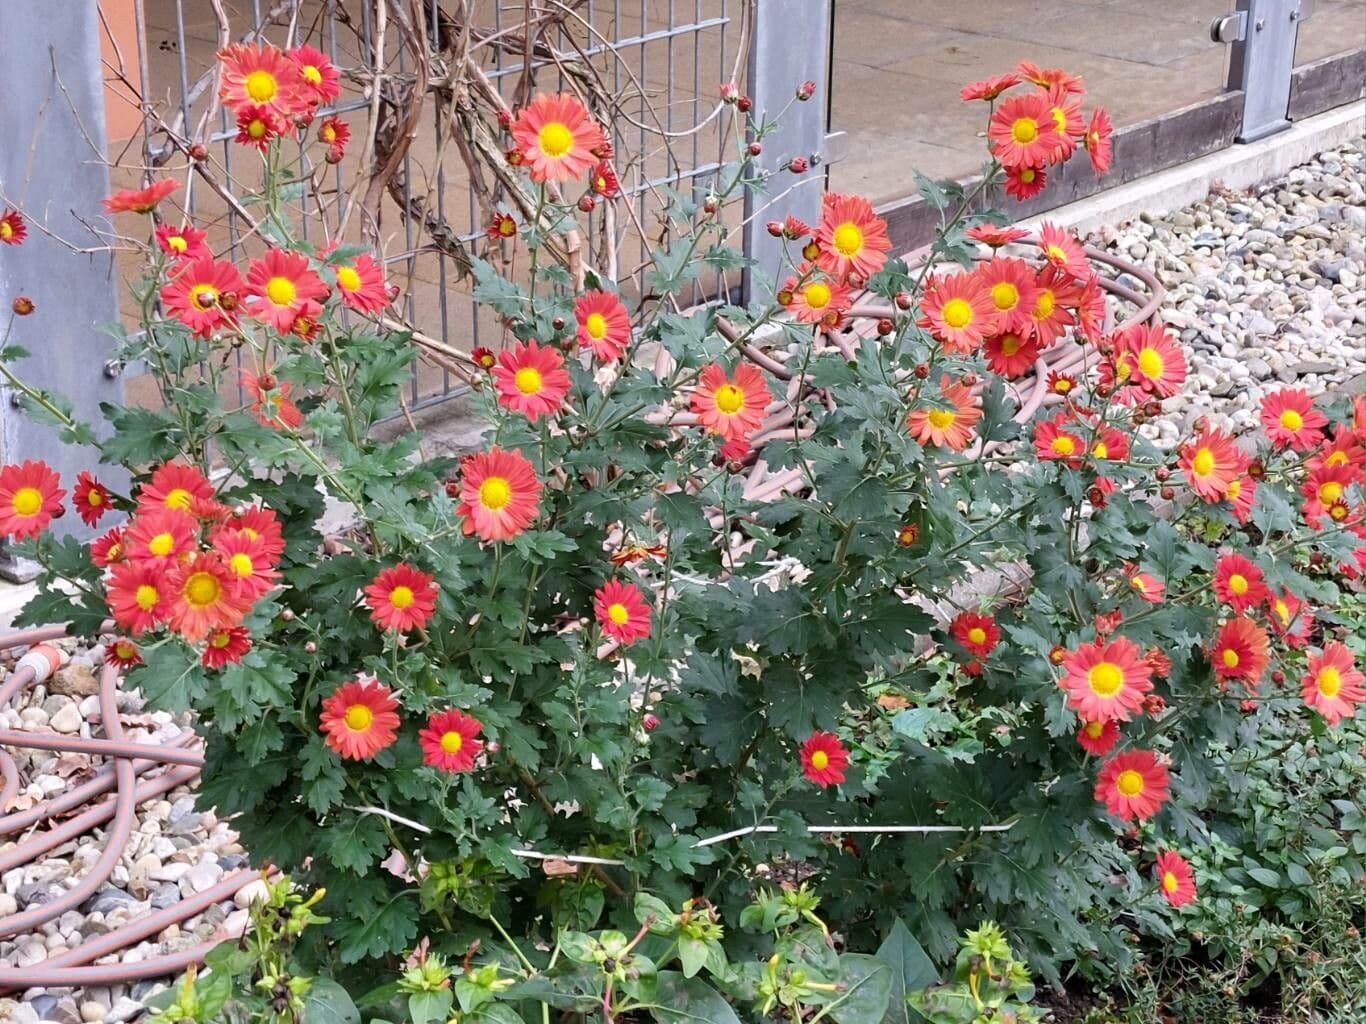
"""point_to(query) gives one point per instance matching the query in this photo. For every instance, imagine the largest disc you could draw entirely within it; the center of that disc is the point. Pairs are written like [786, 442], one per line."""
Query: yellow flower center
[1043, 309]
[359, 717]
[1282, 611]
[820, 760]
[1095, 729]
[401, 597]
[1105, 679]
[1025, 130]
[1169, 882]
[312, 75]
[495, 493]
[451, 742]
[241, 565]
[178, 498]
[27, 501]
[1330, 492]
[1203, 463]
[204, 297]
[941, 418]
[1005, 295]
[177, 242]
[1062, 386]
[146, 597]
[1010, 344]
[1027, 175]
[1291, 420]
[1330, 681]
[220, 639]
[1237, 584]
[596, 326]
[957, 313]
[847, 239]
[1129, 782]
[1230, 658]
[1063, 445]
[1336, 459]
[261, 86]
[1150, 363]
[161, 545]
[1100, 450]
[977, 635]
[555, 140]
[202, 589]
[528, 380]
[618, 614]
[729, 399]
[348, 279]
[1235, 488]
[1057, 253]
[6, 232]
[1059, 119]
[328, 134]
[281, 291]
[256, 128]
[817, 295]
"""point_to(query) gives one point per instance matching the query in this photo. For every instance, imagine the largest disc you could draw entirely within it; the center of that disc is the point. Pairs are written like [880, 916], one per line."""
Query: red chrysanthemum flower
[1109, 444]
[959, 311]
[603, 325]
[195, 295]
[13, 231]
[225, 646]
[361, 284]
[484, 358]
[996, 235]
[1062, 250]
[1053, 442]
[1211, 462]
[448, 741]
[107, 550]
[174, 486]
[1148, 357]
[401, 598]
[1325, 487]
[622, 612]
[978, 633]
[499, 494]
[259, 126]
[824, 759]
[334, 133]
[1145, 585]
[30, 497]
[182, 243]
[1090, 311]
[140, 200]
[503, 225]
[252, 569]
[1238, 583]
[1065, 109]
[1097, 140]
[1011, 283]
[259, 524]
[1291, 421]
[948, 422]
[1175, 879]
[1332, 685]
[1133, 785]
[1106, 682]
[322, 80]
[270, 402]
[122, 653]
[817, 301]
[1241, 651]
[1060, 383]
[1010, 354]
[1023, 183]
[1022, 132]
[989, 88]
[1098, 738]
[1050, 315]
[204, 596]
[281, 283]
[256, 74]
[1242, 495]
[359, 719]
[731, 407]
[556, 137]
[603, 180]
[162, 536]
[850, 238]
[1289, 618]
[531, 379]
[138, 596]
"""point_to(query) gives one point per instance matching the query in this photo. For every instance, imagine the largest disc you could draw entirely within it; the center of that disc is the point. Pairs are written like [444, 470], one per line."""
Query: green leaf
[326, 1002]
[430, 1006]
[869, 991]
[690, 1001]
[692, 954]
[911, 969]
[374, 932]
[1265, 876]
[497, 1013]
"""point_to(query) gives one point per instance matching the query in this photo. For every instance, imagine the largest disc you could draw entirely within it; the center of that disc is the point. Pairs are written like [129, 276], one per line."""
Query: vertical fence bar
[1262, 35]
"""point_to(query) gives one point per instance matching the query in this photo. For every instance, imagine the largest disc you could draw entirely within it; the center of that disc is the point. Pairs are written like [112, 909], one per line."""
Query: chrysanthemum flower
[556, 137]
[1022, 132]
[1097, 140]
[603, 180]
[259, 126]
[989, 88]
[225, 646]
[107, 549]
[603, 324]
[258, 524]
[1238, 583]
[359, 719]
[959, 311]
[1011, 283]
[13, 231]
[1098, 738]
[322, 80]
[30, 496]
[182, 243]
[499, 494]
[1065, 107]
[1090, 310]
[1332, 684]
[1133, 785]
[1291, 421]
[1061, 383]
[824, 759]
[195, 295]
[1211, 462]
[204, 596]
[1010, 354]
[817, 301]
[622, 612]
[1050, 315]
[253, 571]
[1289, 618]
[1054, 442]
[1242, 496]
[1110, 444]
[140, 200]
[531, 379]
[1145, 585]
[175, 486]
[1049, 78]
[280, 283]
[1149, 357]
[161, 536]
[122, 653]
[1024, 183]
[1325, 487]
[334, 133]
[949, 420]
[978, 633]
[255, 74]
[1175, 878]
[1106, 681]
[1062, 250]
[850, 238]
[401, 598]
[138, 596]
[448, 741]
[502, 226]
[731, 407]
[361, 286]
[1241, 651]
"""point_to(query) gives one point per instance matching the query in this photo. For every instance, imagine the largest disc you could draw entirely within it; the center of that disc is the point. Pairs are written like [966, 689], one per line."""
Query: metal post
[791, 45]
[1262, 34]
[52, 167]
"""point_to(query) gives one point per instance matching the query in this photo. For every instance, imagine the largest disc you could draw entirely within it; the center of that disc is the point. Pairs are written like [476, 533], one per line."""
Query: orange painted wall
[119, 30]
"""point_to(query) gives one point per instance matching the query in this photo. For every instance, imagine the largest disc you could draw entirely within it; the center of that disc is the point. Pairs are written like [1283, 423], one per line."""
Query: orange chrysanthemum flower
[1010, 354]
[989, 88]
[958, 309]
[13, 231]
[1241, 651]
[1175, 879]
[1145, 585]
[557, 137]
[731, 407]
[622, 612]
[978, 633]
[161, 536]
[948, 422]
[334, 133]
[531, 379]
[182, 243]
[174, 486]
[1332, 685]
[140, 200]
[138, 596]
[1133, 785]
[322, 80]
[1097, 140]
[1238, 583]
[603, 324]
[282, 286]
[1106, 682]
[1013, 289]
[269, 400]
[107, 549]
[259, 524]
[1062, 251]
[1022, 132]
[1051, 316]
[1024, 183]
[1053, 442]
[195, 295]
[996, 235]
[226, 646]
[259, 126]
[502, 226]
[1098, 738]
[253, 570]
[1291, 421]
[204, 596]
[1211, 462]
[1048, 78]
[850, 238]
[824, 759]
[1149, 358]
[1289, 618]
[30, 496]
[361, 286]
[499, 494]
[401, 598]
[1326, 487]
[122, 653]
[817, 301]
[448, 741]
[359, 719]
[257, 74]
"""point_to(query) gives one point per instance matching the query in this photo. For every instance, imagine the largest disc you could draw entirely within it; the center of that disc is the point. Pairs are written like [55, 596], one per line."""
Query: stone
[92, 1011]
[165, 895]
[43, 1005]
[75, 680]
[253, 891]
[106, 900]
[202, 876]
[124, 1010]
[67, 719]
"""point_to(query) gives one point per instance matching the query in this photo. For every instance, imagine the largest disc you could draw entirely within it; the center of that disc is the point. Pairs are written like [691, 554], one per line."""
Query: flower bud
[921, 371]
[310, 648]
[798, 165]
[558, 323]
[493, 746]
[1278, 677]
[287, 614]
[22, 305]
[1161, 473]
[885, 327]
[198, 152]
[969, 379]
[806, 90]
[774, 228]
[903, 300]
[650, 723]
[1167, 493]
[1256, 469]
[710, 204]
[1057, 653]
[505, 119]
[755, 148]
[973, 668]
[587, 203]
[730, 92]
[744, 104]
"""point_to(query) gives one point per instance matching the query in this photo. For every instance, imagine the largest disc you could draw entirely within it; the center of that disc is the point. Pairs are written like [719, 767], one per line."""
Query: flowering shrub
[715, 575]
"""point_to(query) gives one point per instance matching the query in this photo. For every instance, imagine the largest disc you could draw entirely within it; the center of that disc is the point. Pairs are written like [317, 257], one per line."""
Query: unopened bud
[744, 104]
[806, 90]
[885, 327]
[774, 228]
[903, 300]
[798, 165]
[198, 152]
[22, 305]
[587, 203]
[650, 723]
[755, 148]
